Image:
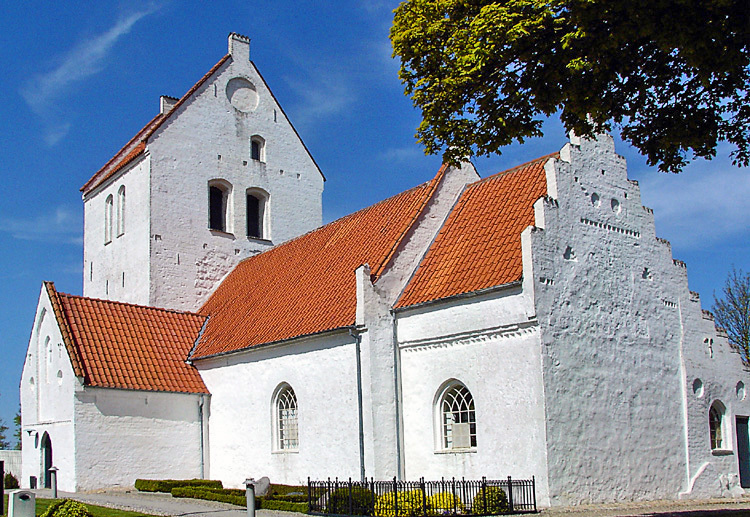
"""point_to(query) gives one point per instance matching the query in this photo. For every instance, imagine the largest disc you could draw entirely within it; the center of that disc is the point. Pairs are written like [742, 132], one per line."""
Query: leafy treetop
[672, 75]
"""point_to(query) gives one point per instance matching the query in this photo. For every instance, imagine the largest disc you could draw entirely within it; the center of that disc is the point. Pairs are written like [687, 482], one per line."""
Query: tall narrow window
[457, 418]
[121, 211]
[257, 149]
[108, 219]
[218, 209]
[716, 425]
[287, 430]
[256, 208]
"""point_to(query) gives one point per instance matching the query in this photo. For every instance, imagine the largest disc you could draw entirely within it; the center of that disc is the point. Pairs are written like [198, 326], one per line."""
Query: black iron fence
[421, 498]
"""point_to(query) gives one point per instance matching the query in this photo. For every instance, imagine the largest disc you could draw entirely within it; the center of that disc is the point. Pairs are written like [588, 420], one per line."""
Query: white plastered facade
[100, 437]
[583, 373]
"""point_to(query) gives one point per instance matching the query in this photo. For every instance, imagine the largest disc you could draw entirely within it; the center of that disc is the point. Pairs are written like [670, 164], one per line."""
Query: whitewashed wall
[488, 344]
[608, 297]
[12, 462]
[119, 270]
[122, 435]
[47, 389]
[322, 373]
[713, 371]
[208, 138]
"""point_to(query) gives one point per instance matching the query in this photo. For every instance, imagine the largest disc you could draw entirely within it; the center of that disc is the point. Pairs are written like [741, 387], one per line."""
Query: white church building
[529, 323]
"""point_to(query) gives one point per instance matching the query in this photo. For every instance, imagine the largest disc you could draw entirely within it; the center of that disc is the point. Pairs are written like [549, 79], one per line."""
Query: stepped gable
[120, 345]
[479, 246]
[307, 285]
[137, 145]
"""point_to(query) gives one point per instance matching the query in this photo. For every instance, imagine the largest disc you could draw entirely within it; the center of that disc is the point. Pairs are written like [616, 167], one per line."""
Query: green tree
[4, 444]
[732, 310]
[672, 75]
[17, 432]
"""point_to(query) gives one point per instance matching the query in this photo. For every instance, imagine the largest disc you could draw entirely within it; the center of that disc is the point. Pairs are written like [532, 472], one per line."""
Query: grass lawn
[96, 511]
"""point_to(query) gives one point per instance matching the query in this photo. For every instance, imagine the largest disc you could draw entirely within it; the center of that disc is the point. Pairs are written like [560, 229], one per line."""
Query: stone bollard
[250, 496]
[53, 481]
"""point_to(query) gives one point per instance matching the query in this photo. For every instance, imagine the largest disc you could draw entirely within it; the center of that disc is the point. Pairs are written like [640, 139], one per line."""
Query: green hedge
[166, 485]
[67, 508]
[237, 497]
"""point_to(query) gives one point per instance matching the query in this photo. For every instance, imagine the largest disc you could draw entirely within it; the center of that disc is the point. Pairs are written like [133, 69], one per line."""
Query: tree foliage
[732, 310]
[4, 444]
[672, 75]
[17, 431]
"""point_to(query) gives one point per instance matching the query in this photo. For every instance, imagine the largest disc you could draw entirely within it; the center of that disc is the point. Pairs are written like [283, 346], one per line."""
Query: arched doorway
[46, 447]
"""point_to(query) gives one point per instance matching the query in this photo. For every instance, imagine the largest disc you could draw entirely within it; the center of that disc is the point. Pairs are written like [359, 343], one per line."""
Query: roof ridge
[128, 304]
[515, 168]
[148, 130]
[379, 268]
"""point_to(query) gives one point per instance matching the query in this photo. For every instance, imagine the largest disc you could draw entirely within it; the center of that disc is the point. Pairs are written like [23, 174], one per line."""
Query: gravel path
[165, 504]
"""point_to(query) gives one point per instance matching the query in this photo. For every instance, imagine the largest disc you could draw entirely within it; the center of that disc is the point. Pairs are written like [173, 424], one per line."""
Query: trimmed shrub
[67, 508]
[275, 491]
[284, 506]
[409, 504]
[362, 501]
[231, 496]
[166, 485]
[497, 502]
[10, 481]
[444, 503]
[289, 498]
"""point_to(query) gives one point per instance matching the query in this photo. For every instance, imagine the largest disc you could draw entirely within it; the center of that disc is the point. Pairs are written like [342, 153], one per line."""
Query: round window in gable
[698, 388]
[595, 199]
[615, 206]
[242, 94]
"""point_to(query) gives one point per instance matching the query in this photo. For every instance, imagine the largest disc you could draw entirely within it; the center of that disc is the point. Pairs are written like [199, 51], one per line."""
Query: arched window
[218, 205]
[121, 211]
[108, 219]
[716, 426]
[457, 418]
[256, 211]
[287, 430]
[258, 149]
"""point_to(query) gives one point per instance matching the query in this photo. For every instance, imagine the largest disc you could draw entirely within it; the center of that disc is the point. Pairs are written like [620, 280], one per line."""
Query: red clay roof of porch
[120, 345]
[479, 246]
[307, 285]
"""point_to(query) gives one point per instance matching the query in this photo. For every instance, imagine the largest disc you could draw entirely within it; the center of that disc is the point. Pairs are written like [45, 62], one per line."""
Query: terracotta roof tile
[307, 285]
[127, 153]
[120, 345]
[479, 245]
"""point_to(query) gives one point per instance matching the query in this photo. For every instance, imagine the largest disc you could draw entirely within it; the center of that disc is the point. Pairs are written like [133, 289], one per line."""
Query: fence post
[454, 495]
[2, 487]
[309, 495]
[424, 497]
[350, 496]
[395, 496]
[484, 495]
[250, 496]
[510, 495]
[533, 490]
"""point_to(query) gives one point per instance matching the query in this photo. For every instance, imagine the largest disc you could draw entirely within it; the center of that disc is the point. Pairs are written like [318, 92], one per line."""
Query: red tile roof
[307, 285]
[120, 345]
[128, 152]
[479, 246]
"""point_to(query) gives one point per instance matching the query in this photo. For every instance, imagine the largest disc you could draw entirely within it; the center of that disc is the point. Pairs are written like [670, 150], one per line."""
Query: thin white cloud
[323, 94]
[407, 154]
[705, 204]
[60, 226]
[43, 91]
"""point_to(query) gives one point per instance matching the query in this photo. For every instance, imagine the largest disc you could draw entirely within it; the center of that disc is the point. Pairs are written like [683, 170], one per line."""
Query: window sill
[259, 239]
[722, 452]
[286, 451]
[472, 450]
[221, 233]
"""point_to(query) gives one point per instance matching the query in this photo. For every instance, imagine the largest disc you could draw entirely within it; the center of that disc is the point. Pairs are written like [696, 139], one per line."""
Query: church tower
[218, 175]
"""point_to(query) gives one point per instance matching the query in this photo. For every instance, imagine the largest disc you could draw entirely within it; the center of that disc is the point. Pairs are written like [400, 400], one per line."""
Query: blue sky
[79, 79]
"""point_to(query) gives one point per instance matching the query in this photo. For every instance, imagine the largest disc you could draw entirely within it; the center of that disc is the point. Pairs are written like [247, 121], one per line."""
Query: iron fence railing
[447, 497]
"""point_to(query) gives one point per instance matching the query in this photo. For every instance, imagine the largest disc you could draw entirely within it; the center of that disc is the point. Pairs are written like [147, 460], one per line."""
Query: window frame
[718, 428]
[285, 410]
[108, 213]
[261, 143]
[121, 211]
[444, 420]
[225, 209]
[262, 198]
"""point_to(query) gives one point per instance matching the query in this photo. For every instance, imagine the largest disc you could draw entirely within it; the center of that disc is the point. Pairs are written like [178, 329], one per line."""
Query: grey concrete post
[250, 496]
[2, 487]
[53, 479]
